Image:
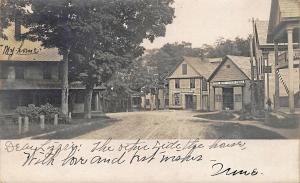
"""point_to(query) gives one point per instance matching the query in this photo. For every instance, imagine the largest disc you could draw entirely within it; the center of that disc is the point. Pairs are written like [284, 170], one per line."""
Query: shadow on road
[79, 130]
[239, 131]
[217, 116]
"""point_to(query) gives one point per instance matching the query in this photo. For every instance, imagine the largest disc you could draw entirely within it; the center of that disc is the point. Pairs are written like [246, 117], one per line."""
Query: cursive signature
[219, 169]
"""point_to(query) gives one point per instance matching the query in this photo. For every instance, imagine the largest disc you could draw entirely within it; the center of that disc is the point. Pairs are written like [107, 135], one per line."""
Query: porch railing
[283, 58]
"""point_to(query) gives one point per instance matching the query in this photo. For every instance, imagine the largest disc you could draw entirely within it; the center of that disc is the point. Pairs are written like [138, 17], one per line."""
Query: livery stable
[230, 84]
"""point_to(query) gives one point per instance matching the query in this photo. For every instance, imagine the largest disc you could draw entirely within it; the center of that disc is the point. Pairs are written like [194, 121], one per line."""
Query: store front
[229, 95]
[230, 84]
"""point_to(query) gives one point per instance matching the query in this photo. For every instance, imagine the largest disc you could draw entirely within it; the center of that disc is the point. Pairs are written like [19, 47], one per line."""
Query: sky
[204, 21]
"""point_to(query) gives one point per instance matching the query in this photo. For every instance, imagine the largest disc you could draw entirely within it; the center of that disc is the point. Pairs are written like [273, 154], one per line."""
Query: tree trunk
[156, 100]
[65, 84]
[88, 102]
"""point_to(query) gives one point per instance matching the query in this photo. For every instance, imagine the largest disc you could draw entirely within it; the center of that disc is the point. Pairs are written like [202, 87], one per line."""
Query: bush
[49, 111]
[33, 112]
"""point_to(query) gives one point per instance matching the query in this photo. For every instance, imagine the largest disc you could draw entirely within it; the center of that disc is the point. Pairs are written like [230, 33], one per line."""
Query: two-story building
[275, 79]
[283, 29]
[188, 86]
[31, 74]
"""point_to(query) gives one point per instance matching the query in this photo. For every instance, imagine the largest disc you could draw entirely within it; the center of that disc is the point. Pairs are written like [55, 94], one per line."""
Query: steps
[282, 81]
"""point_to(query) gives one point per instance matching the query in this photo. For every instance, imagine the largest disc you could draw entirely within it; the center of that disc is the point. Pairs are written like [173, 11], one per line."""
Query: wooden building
[283, 29]
[31, 74]
[149, 101]
[265, 55]
[230, 84]
[188, 86]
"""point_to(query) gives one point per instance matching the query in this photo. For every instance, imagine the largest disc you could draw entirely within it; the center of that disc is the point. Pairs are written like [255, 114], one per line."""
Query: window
[218, 98]
[3, 71]
[228, 66]
[47, 72]
[192, 83]
[237, 97]
[177, 99]
[204, 85]
[184, 69]
[19, 72]
[177, 83]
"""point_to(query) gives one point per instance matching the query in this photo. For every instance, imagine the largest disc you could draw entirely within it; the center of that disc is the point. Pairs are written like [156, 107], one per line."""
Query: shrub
[49, 111]
[33, 112]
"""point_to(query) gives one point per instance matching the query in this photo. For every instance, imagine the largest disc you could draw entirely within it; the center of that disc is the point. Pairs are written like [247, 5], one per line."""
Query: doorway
[189, 102]
[228, 102]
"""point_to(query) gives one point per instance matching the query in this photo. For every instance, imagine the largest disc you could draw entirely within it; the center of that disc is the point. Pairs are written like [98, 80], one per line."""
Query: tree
[50, 22]
[101, 36]
[124, 26]
[223, 47]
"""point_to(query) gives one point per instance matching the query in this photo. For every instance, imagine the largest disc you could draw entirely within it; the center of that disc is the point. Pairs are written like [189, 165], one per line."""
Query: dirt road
[173, 125]
[150, 125]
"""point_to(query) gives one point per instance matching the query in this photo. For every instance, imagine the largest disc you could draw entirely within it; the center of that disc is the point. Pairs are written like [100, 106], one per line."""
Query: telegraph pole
[253, 102]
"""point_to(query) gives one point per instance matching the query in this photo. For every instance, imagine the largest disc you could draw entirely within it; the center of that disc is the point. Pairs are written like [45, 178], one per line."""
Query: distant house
[31, 74]
[230, 84]
[188, 86]
[148, 101]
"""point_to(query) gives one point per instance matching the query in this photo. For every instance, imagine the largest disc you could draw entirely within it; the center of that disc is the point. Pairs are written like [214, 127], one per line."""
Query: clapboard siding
[190, 72]
[229, 74]
[289, 8]
[184, 84]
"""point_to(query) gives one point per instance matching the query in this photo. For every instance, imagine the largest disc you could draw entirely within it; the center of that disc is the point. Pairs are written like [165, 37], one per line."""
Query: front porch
[284, 29]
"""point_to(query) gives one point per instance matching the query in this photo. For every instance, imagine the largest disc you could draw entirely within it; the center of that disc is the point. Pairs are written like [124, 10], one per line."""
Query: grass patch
[238, 131]
[217, 116]
[9, 128]
[290, 122]
[78, 130]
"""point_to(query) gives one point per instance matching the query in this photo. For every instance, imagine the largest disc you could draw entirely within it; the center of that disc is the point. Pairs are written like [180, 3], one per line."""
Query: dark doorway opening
[228, 98]
[190, 102]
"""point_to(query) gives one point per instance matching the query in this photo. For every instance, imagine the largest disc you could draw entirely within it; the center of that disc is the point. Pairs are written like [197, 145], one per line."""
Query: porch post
[291, 69]
[276, 94]
[96, 101]
[299, 61]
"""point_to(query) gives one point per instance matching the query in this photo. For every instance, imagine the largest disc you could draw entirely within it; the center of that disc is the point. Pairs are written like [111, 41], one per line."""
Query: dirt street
[150, 125]
[174, 125]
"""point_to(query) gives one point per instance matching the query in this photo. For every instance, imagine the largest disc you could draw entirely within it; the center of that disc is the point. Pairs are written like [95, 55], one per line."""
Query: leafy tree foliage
[99, 36]
[223, 47]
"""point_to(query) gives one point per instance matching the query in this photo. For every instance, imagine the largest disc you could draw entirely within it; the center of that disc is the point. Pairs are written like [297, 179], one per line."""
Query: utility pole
[257, 65]
[253, 102]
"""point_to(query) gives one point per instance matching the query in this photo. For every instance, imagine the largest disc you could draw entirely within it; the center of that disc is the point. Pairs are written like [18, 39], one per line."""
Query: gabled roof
[25, 50]
[204, 67]
[281, 12]
[262, 31]
[289, 8]
[243, 63]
